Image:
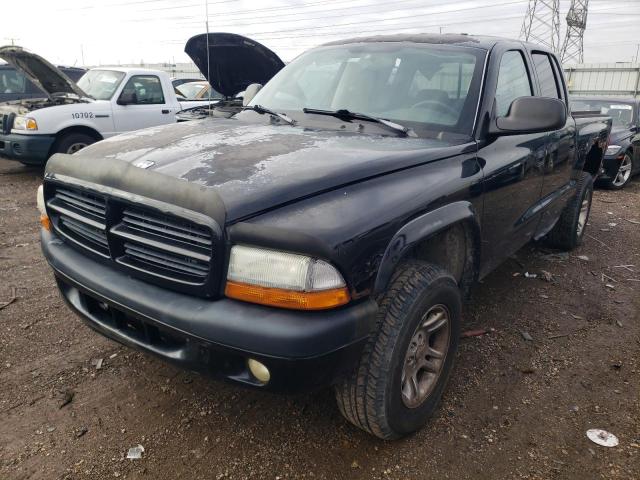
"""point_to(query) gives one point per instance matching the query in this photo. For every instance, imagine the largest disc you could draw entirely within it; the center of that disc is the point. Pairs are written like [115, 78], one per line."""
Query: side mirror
[531, 115]
[250, 92]
[127, 98]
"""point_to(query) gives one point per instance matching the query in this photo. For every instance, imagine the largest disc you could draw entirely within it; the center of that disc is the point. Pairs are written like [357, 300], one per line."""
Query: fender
[95, 115]
[421, 228]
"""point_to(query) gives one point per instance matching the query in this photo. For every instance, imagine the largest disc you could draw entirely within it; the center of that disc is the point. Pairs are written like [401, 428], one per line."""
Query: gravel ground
[515, 408]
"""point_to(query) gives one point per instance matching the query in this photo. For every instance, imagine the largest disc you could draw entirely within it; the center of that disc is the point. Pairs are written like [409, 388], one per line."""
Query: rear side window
[513, 81]
[549, 86]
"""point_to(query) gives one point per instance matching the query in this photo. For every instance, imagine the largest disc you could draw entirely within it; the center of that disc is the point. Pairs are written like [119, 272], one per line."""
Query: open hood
[42, 73]
[234, 62]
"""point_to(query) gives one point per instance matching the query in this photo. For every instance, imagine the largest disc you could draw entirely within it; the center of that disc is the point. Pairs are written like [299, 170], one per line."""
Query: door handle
[166, 111]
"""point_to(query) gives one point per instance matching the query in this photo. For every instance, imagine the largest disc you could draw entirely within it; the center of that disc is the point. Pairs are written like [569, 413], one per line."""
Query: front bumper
[303, 350]
[610, 167]
[30, 149]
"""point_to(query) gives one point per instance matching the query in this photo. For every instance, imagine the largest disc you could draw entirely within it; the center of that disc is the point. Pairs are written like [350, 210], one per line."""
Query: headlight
[613, 150]
[285, 280]
[24, 123]
[44, 218]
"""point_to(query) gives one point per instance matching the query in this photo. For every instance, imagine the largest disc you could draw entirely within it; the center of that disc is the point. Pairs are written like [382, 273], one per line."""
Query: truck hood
[43, 74]
[620, 134]
[255, 167]
[232, 62]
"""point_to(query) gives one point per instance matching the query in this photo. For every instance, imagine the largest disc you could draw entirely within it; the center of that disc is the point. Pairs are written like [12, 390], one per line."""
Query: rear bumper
[303, 350]
[30, 149]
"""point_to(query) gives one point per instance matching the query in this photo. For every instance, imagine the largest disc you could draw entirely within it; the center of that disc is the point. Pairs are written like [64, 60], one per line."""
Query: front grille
[6, 122]
[81, 216]
[167, 249]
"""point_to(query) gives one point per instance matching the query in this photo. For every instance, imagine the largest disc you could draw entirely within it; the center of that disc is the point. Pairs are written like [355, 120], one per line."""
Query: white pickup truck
[104, 103]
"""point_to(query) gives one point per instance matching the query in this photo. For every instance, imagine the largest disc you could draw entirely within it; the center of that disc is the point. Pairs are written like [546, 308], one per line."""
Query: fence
[175, 70]
[607, 79]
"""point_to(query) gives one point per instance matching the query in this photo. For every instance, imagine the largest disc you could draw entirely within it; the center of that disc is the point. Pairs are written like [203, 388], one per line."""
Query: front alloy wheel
[624, 172]
[425, 356]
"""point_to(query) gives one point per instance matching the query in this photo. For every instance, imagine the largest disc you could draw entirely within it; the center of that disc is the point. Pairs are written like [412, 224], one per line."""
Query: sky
[101, 32]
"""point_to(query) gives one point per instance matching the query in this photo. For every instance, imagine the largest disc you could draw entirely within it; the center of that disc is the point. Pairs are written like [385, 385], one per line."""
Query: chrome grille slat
[144, 221]
[67, 212]
[82, 218]
[164, 260]
[93, 234]
[153, 242]
[84, 203]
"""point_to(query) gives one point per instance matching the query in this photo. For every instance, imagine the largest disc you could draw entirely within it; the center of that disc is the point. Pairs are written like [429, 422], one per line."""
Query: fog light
[259, 370]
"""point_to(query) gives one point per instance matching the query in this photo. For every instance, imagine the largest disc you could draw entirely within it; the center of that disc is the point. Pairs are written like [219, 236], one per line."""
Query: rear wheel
[568, 232]
[405, 365]
[623, 175]
[73, 142]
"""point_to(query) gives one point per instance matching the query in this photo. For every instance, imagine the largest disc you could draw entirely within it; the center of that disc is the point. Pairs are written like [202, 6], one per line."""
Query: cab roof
[485, 42]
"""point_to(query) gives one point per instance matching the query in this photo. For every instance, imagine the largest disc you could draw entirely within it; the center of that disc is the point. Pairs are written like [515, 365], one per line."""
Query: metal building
[611, 79]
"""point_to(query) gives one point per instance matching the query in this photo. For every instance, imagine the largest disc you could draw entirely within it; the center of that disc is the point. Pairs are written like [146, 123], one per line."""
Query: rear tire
[568, 232]
[623, 175]
[407, 361]
[71, 143]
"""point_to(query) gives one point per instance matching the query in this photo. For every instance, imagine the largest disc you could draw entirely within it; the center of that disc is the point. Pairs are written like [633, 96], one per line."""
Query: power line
[393, 28]
[140, 2]
[402, 17]
[342, 9]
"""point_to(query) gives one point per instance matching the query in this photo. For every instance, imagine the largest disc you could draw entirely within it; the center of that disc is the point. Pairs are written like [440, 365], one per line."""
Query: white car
[104, 103]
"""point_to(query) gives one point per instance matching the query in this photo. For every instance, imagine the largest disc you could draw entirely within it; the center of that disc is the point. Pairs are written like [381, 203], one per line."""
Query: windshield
[100, 84]
[621, 113]
[430, 88]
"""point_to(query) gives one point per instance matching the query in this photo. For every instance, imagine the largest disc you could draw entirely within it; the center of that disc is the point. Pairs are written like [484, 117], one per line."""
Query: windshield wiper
[344, 114]
[262, 110]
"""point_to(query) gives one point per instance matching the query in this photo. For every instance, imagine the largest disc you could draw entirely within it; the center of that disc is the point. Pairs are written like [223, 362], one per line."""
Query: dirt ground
[515, 408]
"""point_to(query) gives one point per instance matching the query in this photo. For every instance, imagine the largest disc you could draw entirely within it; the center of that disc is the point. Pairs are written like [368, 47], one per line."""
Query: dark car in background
[622, 158]
[15, 86]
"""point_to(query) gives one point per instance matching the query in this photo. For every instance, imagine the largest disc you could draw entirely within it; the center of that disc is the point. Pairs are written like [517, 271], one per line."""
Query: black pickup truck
[329, 233]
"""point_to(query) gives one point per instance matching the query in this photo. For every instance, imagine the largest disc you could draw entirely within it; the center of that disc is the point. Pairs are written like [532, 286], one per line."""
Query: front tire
[407, 361]
[569, 230]
[623, 175]
[71, 143]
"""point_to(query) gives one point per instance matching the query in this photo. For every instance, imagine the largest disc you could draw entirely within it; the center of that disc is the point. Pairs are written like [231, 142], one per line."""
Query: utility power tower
[542, 23]
[573, 46]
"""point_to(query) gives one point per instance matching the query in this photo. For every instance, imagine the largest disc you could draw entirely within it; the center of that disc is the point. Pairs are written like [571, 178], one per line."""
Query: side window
[548, 82]
[513, 81]
[147, 88]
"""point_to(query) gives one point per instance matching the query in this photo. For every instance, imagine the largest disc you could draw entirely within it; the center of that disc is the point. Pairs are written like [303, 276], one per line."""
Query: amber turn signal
[276, 297]
[45, 222]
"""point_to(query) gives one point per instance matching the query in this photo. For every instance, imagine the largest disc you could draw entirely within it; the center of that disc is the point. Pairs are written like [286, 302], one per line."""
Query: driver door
[149, 107]
[513, 169]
